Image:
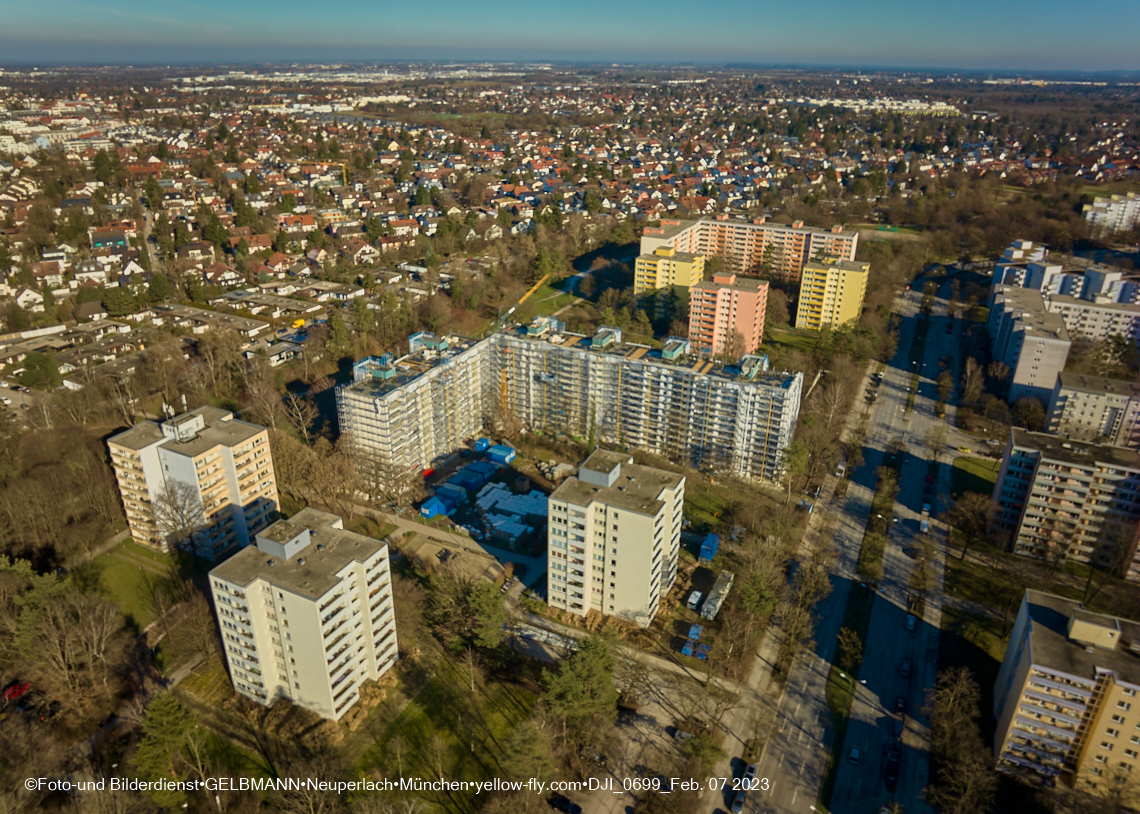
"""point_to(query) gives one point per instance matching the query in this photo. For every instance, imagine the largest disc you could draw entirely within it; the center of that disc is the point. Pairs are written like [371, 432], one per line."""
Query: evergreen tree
[583, 686]
[166, 725]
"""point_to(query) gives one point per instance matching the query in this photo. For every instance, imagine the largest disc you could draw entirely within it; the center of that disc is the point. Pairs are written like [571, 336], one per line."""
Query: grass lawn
[447, 727]
[793, 338]
[209, 683]
[546, 300]
[973, 475]
[125, 571]
[369, 527]
[979, 313]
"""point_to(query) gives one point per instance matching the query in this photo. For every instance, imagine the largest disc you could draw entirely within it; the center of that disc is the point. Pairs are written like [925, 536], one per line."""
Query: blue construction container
[482, 444]
[433, 507]
[451, 492]
[466, 479]
[695, 632]
[710, 546]
[500, 454]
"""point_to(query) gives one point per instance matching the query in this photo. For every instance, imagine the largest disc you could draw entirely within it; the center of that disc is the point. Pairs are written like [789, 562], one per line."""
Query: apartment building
[831, 293]
[1093, 408]
[726, 314]
[202, 479]
[1028, 265]
[1065, 700]
[667, 267]
[737, 418]
[1097, 320]
[1117, 213]
[1033, 343]
[753, 248]
[307, 614]
[614, 535]
[1070, 501]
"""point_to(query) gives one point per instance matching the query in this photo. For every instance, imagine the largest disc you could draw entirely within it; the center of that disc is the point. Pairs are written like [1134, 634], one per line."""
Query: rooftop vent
[301, 561]
[272, 562]
[320, 546]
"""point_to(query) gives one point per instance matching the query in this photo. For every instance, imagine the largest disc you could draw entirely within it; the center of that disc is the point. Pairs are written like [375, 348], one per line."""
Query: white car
[5, 400]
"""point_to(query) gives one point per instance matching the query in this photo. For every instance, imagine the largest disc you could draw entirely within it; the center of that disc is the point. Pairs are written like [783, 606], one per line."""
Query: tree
[179, 514]
[971, 515]
[526, 754]
[14, 318]
[41, 370]
[795, 462]
[1029, 412]
[160, 289]
[118, 302]
[850, 650]
[972, 381]
[337, 342]
[301, 413]
[776, 312]
[166, 725]
[583, 685]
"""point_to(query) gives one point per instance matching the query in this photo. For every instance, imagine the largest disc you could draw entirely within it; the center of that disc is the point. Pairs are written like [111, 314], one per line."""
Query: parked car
[750, 771]
[897, 730]
[560, 803]
[911, 622]
[15, 690]
[681, 736]
[738, 802]
[900, 705]
[964, 449]
[904, 668]
[853, 756]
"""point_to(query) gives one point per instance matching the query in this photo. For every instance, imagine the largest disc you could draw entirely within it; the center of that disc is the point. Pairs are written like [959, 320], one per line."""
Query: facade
[307, 614]
[203, 472]
[737, 418]
[1028, 265]
[724, 307]
[1117, 213]
[1097, 320]
[1093, 408]
[614, 538]
[1070, 501]
[667, 267]
[1033, 343]
[753, 248]
[831, 293]
[1065, 700]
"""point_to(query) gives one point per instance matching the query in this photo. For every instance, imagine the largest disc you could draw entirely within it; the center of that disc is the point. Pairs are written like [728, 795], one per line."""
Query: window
[1125, 767]
[1118, 719]
[1112, 733]
[1124, 705]
[1130, 753]
[1106, 746]
[1101, 759]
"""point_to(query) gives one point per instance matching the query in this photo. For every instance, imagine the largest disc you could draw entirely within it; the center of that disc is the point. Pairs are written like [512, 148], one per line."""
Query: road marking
[795, 793]
[799, 704]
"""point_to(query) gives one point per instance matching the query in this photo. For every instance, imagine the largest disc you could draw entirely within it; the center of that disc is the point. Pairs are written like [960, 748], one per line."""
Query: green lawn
[546, 300]
[973, 475]
[979, 313]
[126, 571]
[792, 338]
[448, 727]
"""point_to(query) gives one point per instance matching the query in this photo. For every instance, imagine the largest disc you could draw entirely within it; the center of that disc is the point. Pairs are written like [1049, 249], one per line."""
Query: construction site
[734, 419]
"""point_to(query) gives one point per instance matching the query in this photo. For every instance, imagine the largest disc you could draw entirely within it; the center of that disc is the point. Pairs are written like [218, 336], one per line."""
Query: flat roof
[312, 572]
[1052, 648]
[221, 430]
[1077, 453]
[1100, 384]
[636, 489]
[604, 460]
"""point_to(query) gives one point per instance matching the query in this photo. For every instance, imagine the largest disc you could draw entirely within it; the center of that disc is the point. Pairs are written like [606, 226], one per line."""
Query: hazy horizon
[1001, 36]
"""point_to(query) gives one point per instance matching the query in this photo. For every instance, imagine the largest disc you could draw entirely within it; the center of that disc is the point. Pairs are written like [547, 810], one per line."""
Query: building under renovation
[734, 418]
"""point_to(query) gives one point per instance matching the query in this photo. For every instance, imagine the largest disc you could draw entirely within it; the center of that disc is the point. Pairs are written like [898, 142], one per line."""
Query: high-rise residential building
[1069, 501]
[1065, 699]
[1026, 265]
[1096, 320]
[831, 293]
[726, 314]
[614, 538]
[737, 418]
[1117, 213]
[202, 479]
[667, 267]
[307, 614]
[1093, 408]
[753, 248]
[1032, 342]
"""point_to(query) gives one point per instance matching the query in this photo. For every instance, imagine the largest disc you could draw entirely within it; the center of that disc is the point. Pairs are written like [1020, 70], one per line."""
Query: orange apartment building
[752, 247]
[722, 308]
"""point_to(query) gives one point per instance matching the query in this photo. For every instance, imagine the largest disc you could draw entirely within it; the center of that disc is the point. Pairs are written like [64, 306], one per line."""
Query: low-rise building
[1093, 408]
[1067, 501]
[307, 614]
[614, 538]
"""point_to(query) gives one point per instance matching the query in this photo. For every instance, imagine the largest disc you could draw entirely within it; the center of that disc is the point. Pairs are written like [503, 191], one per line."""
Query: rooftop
[313, 571]
[636, 488]
[221, 429]
[1100, 384]
[1053, 649]
[1075, 453]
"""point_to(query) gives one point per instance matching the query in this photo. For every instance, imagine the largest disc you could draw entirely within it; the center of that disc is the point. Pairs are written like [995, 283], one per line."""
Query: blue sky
[998, 34]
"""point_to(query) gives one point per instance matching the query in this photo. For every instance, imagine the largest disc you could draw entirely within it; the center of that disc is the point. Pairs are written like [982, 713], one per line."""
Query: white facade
[1034, 344]
[307, 615]
[1118, 213]
[1087, 408]
[614, 537]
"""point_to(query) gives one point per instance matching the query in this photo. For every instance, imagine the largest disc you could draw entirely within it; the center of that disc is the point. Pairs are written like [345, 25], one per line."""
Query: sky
[1002, 35]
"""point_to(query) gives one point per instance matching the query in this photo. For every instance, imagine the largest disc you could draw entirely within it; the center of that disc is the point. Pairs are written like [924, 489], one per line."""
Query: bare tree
[261, 394]
[973, 381]
[179, 514]
[301, 413]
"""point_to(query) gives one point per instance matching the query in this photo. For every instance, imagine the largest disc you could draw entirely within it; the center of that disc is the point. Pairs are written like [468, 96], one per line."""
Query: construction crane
[343, 168]
[522, 299]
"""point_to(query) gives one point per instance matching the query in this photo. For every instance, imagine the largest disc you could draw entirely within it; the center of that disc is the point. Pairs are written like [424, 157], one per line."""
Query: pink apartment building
[723, 307]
